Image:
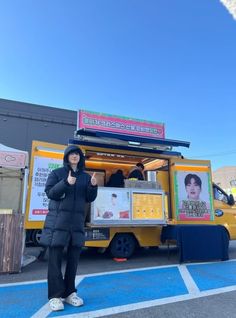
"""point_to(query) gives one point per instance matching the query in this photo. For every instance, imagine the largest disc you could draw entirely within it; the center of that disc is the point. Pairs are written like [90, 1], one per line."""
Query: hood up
[68, 150]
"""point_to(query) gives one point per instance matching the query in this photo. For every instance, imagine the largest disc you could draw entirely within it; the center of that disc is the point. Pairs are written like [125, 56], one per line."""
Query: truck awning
[127, 142]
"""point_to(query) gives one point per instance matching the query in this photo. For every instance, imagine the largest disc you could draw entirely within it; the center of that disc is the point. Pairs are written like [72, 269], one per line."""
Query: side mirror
[231, 200]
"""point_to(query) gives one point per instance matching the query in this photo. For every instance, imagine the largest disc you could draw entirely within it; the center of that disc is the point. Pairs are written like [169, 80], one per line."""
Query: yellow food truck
[175, 191]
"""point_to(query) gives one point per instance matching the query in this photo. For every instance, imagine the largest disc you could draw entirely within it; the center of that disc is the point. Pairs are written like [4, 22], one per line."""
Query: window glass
[219, 195]
[233, 183]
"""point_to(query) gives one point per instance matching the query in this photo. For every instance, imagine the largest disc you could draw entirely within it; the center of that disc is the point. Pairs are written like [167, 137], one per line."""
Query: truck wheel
[28, 237]
[36, 234]
[122, 245]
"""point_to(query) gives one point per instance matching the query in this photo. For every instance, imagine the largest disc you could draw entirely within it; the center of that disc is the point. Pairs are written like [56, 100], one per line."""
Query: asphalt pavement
[214, 294]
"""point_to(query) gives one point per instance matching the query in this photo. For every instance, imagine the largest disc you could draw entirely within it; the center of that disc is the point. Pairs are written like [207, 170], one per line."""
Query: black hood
[68, 150]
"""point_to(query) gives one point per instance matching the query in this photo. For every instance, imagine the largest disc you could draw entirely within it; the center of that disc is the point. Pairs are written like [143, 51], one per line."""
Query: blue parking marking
[22, 300]
[214, 275]
[129, 289]
[104, 291]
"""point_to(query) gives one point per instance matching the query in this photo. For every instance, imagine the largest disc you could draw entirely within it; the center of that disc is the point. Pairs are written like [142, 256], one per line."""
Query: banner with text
[38, 199]
[121, 125]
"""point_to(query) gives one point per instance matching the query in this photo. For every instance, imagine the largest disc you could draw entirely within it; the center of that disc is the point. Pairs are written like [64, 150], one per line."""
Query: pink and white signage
[13, 159]
[122, 125]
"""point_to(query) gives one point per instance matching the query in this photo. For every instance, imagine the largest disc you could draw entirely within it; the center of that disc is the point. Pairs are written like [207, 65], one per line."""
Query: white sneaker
[56, 304]
[74, 300]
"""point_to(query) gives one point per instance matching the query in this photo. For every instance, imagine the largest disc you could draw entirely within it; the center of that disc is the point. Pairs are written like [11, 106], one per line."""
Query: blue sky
[167, 61]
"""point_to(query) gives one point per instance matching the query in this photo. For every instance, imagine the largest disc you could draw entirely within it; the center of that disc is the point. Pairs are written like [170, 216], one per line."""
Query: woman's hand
[71, 180]
[93, 179]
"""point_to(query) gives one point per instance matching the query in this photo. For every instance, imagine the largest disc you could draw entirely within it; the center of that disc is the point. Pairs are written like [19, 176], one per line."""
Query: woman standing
[69, 189]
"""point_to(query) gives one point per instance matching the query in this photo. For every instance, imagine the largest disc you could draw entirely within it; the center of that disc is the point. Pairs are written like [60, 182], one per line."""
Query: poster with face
[111, 205]
[193, 196]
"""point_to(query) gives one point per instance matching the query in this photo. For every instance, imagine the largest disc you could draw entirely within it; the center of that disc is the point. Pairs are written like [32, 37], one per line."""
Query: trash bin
[11, 239]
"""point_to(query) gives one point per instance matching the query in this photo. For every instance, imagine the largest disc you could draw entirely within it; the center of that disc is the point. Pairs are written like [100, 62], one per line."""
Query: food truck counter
[127, 206]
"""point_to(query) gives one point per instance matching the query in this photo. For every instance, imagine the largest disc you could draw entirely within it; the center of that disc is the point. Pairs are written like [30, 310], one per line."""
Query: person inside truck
[116, 179]
[137, 172]
[69, 189]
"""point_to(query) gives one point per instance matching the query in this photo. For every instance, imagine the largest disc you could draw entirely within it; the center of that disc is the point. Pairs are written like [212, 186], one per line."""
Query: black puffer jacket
[136, 173]
[66, 216]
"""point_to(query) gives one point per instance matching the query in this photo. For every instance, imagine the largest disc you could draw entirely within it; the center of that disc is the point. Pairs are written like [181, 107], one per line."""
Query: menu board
[147, 206]
[128, 206]
[38, 199]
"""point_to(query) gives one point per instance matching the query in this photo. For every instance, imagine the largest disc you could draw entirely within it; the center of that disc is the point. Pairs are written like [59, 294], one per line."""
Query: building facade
[20, 123]
[225, 177]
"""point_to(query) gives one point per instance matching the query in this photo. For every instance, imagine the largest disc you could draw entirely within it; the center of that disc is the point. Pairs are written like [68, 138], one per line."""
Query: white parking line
[42, 312]
[94, 274]
[45, 310]
[186, 276]
[24, 283]
[188, 280]
[119, 271]
[147, 304]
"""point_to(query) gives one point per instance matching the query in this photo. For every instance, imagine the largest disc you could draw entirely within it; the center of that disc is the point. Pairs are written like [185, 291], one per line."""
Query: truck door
[225, 212]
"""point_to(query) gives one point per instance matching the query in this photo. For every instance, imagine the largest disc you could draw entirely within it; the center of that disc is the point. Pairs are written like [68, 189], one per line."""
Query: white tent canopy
[13, 192]
[13, 158]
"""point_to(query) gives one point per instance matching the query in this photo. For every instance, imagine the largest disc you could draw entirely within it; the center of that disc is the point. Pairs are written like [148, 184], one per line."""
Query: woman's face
[193, 190]
[74, 158]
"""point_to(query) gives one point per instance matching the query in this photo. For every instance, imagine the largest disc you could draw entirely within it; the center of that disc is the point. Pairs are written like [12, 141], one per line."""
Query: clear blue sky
[168, 61]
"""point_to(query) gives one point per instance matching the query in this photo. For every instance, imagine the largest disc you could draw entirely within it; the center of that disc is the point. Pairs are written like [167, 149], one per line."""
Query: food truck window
[110, 162]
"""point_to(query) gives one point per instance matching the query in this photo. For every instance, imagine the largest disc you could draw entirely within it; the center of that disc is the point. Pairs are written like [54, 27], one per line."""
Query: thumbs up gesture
[71, 180]
[93, 179]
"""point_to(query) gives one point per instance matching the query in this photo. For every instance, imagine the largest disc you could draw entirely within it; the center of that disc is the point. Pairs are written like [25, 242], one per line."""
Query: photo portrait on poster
[112, 204]
[193, 196]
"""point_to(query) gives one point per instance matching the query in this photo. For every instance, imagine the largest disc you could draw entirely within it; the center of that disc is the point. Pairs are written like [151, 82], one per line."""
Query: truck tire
[36, 234]
[28, 236]
[123, 245]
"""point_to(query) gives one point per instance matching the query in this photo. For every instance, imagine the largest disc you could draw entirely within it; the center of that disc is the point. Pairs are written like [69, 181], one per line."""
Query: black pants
[57, 285]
